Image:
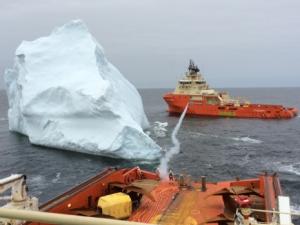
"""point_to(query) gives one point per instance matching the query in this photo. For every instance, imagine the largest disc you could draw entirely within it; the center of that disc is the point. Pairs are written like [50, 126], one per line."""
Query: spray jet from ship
[164, 167]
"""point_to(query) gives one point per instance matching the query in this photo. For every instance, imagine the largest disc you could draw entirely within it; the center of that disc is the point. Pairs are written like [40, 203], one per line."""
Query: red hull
[175, 202]
[178, 102]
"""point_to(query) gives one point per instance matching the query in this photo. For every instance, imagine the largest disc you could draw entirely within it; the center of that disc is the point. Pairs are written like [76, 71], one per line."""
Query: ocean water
[220, 148]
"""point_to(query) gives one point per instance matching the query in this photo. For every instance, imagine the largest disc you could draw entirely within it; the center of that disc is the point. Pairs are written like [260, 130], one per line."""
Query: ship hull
[174, 201]
[177, 103]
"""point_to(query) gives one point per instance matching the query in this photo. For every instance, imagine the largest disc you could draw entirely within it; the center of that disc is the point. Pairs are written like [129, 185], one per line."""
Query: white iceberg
[64, 93]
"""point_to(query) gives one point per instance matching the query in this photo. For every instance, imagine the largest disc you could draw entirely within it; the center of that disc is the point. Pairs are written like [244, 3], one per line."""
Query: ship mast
[193, 68]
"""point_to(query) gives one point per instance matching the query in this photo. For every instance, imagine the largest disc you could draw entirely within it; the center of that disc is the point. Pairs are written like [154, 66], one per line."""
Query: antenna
[192, 67]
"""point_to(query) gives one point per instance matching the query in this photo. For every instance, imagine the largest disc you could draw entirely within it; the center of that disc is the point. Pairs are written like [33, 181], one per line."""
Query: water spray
[175, 149]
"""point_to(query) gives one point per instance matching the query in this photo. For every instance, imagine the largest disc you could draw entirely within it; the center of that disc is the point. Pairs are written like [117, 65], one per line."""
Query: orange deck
[172, 203]
[179, 205]
[178, 102]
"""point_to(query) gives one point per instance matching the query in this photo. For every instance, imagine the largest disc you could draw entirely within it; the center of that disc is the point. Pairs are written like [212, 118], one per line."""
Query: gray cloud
[235, 43]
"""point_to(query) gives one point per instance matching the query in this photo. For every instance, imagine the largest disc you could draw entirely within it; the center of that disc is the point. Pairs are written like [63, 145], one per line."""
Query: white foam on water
[246, 159]
[37, 182]
[240, 139]
[57, 177]
[37, 179]
[196, 134]
[290, 169]
[295, 207]
[247, 139]
[163, 167]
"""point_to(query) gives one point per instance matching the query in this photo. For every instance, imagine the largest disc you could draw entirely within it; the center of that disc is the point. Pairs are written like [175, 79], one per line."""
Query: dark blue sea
[220, 148]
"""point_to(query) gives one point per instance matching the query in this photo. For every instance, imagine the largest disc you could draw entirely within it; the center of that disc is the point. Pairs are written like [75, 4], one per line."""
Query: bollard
[181, 180]
[203, 183]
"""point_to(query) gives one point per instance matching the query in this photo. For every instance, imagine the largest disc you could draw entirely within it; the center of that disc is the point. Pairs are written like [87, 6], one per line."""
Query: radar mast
[193, 68]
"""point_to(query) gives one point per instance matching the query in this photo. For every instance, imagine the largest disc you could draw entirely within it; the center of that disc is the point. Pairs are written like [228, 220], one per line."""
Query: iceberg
[64, 93]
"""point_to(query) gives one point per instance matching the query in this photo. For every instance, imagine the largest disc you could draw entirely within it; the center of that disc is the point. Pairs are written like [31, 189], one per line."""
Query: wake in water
[163, 167]
[247, 139]
[293, 169]
[240, 139]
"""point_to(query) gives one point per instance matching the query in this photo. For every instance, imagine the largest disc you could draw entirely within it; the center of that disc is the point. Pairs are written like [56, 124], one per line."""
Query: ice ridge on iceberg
[64, 93]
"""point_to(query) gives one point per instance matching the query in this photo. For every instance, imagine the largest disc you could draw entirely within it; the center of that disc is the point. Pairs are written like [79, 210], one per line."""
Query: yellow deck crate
[117, 205]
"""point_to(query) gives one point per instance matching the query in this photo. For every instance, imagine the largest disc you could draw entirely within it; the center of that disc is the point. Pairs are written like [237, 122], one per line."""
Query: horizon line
[139, 88]
[224, 87]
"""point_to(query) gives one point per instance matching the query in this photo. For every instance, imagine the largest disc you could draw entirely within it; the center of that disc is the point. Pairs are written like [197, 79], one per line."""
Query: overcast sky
[248, 43]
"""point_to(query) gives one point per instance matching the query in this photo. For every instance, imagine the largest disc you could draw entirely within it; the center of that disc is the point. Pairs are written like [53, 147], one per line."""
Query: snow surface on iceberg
[64, 93]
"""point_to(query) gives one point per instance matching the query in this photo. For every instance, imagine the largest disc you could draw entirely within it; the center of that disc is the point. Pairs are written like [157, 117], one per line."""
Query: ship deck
[169, 202]
[181, 205]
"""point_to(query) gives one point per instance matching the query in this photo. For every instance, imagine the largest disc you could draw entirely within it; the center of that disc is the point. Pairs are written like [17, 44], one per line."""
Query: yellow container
[117, 205]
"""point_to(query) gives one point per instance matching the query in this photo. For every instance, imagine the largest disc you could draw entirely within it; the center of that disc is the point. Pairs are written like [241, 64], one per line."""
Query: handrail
[61, 219]
[293, 213]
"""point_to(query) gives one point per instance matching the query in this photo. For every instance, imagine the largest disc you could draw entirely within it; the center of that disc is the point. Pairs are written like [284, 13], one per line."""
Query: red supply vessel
[205, 101]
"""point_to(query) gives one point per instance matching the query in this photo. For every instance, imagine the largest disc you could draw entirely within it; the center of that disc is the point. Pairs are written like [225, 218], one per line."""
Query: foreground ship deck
[140, 196]
[204, 101]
